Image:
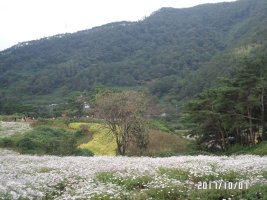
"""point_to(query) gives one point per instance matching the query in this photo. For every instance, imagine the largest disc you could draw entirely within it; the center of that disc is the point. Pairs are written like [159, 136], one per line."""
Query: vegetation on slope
[174, 52]
[160, 143]
[101, 143]
[46, 140]
[234, 112]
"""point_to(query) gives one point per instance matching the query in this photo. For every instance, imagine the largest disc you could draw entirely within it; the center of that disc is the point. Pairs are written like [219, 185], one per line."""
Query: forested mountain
[173, 52]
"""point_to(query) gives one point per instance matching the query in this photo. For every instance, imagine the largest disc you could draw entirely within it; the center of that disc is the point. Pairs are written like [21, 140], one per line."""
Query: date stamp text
[218, 185]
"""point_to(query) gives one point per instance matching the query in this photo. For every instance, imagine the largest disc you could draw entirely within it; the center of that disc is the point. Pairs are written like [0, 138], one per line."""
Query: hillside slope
[174, 52]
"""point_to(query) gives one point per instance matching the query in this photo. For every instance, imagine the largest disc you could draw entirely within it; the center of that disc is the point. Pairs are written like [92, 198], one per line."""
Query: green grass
[11, 117]
[45, 170]
[56, 190]
[129, 183]
[167, 193]
[107, 196]
[264, 174]
[175, 173]
[258, 149]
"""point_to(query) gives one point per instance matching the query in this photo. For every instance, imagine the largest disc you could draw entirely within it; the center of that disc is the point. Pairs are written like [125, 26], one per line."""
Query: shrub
[6, 142]
[26, 144]
[47, 140]
[83, 152]
[159, 125]
[104, 177]
[260, 149]
[84, 128]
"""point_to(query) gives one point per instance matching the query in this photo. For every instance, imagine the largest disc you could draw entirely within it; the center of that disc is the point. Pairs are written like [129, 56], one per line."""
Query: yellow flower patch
[103, 142]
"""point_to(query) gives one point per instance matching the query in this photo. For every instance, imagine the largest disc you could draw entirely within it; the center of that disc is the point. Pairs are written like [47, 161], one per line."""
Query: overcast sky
[23, 20]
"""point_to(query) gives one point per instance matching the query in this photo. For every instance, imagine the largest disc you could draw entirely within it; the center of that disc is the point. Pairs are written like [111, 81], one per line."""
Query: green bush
[83, 152]
[26, 144]
[41, 122]
[135, 183]
[9, 118]
[105, 177]
[6, 142]
[47, 140]
[159, 125]
[260, 149]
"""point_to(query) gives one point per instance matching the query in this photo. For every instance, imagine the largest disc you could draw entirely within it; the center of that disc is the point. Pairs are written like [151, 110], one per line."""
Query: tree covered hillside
[173, 52]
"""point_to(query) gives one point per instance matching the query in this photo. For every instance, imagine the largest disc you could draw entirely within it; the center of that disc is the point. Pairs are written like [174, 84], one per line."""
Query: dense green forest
[234, 112]
[174, 54]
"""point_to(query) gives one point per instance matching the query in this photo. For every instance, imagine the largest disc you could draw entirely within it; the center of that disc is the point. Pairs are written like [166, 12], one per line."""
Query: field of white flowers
[52, 177]
[138, 178]
[11, 128]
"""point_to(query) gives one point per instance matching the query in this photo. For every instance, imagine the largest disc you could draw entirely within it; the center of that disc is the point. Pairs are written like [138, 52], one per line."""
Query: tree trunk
[223, 144]
[250, 127]
[238, 137]
[264, 134]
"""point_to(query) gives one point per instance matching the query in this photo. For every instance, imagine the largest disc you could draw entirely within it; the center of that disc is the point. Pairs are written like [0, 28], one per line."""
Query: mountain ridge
[170, 52]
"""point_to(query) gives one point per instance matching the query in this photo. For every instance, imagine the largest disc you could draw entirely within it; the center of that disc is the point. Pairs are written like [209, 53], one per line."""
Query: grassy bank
[161, 144]
[101, 142]
[43, 140]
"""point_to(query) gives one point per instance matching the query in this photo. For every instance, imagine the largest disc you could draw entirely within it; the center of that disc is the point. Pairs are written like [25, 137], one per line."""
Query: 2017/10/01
[222, 185]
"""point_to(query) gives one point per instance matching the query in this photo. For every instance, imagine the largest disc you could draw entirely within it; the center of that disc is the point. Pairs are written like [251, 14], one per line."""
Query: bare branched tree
[123, 115]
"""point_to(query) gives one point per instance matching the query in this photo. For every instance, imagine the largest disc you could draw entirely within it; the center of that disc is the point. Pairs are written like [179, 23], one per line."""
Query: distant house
[163, 115]
[86, 106]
